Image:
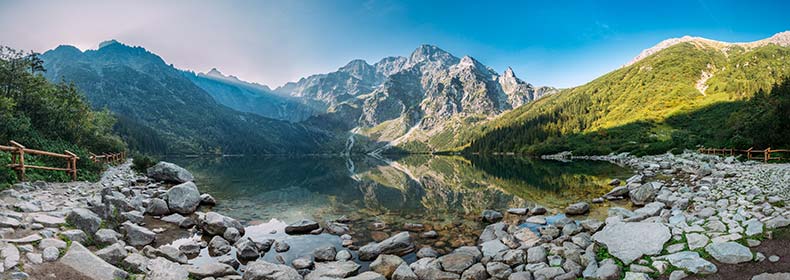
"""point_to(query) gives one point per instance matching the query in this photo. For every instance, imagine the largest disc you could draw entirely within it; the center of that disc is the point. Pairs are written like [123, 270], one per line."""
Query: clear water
[445, 193]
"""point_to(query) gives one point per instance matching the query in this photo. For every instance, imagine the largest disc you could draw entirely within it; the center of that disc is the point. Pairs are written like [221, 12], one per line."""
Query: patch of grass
[780, 203]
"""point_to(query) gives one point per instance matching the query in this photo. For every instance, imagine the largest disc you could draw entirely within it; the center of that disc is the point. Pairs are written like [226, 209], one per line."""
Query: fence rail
[751, 153]
[18, 152]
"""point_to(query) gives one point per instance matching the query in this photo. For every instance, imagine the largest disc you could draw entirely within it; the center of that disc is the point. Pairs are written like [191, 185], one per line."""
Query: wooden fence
[751, 153]
[18, 152]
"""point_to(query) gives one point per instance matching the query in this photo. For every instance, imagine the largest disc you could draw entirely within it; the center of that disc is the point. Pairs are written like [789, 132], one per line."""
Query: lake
[444, 193]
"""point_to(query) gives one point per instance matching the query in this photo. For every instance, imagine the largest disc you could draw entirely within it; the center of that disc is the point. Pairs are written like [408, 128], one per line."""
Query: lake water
[444, 193]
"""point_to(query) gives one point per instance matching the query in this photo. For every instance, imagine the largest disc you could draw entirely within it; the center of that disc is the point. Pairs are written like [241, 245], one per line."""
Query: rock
[183, 198]
[772, 276]
[325, 254]
[339, 228]
[133, 216]
[229, 260]
[577, 208]
[677, 275]
[518, 211]
[636, 276]
[399, 244]
[547, 272]
[113, 254]
[729, 252]
[214, 223]
[301, 227]
[538, 210]
[522, 275]
[540, 220]
[84, 220]
[427, 252]
[91, 266]
[773, 258]
[630, 241]
[218, 246]
[211, 269]
[608, 270]
[499, 270]
[754, 227]
[777, 222]
[692, 262]
[302, 263]
[135, 263]
[207, 199]
[404, 272]
[386, 265]
[52, 242]
[27, 239]
[157, 207]
[137, 235]
[696, 240]
[536, 254]
[50, 254]
[343, 255]
[368, 275]
[47, 220]
[171, 253]
[457, 262]
[10, 256]
[325, 270]
[106, 236]
[34, 258]
[643, 194]
[75, 235]
[491, 216]
[281, 246]
[262, 270]
[168, 172]
[161, 268]
[246, 249]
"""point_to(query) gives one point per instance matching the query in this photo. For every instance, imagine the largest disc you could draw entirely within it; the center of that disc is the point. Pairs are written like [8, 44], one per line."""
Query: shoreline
[682, 200]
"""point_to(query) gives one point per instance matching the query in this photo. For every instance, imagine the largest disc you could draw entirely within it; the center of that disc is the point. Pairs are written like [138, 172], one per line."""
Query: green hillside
[655, 105]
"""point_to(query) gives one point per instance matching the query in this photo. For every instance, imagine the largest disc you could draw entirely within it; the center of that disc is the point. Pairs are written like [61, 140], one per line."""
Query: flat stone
[729, 252]
[47, 220]
[692, 262]
[333, 270]
[540, 220]
[10, 256]
[696, 240]
[518, 211]
[456, 262]
[301, 227]
[772, 276]
[211, 269]
[579, 208]
[386, 264]
[27, 239]
[81, 259]
[161, 268]
[631, 241]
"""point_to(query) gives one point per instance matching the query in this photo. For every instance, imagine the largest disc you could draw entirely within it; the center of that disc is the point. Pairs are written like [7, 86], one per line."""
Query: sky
[557, 43]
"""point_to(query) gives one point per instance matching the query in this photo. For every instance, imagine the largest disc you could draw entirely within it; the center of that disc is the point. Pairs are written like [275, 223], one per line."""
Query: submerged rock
[301, 227]
[399, 244]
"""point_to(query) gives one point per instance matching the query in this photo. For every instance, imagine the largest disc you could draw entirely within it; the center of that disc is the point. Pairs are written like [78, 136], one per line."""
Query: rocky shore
[691, 215]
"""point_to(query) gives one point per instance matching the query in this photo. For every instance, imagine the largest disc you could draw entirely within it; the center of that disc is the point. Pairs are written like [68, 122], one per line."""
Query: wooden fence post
[767, 154]
[72, 166]
[749, 153]
[21, 160]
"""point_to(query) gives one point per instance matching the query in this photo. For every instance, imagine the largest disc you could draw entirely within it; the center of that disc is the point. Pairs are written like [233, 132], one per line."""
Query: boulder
[163, 269]
[262, 270]
[729, 252]
[135, 263]
[578, 208]
[47, 220]
[157, 207]
[491, 216]
[404, 272]
[214, 223]
[84, 219]
[325, 254]
[169, 172]
[691, 262]
[211, 269]
[106, 236]
[456, 262]
[183, 198]
[50, 254]
[301, 227]
[246, 249]
[324, 270]
[630, 241]
[137, 235]
[367, 275]
[113, 254]
[399, 244]
[643, 194]
[81, 259]
[386, 264]
[218, 246]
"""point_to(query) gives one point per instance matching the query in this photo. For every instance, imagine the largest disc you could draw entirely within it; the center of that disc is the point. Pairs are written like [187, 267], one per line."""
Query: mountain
[249, 97]
[414, 103]
[160, 110]
[681, 93]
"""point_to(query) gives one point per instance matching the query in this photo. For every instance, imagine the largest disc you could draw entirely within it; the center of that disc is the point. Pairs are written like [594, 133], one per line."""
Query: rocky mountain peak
[432, 53]
[781, 39]
[215, 73]
[509, 73]
[109, 43]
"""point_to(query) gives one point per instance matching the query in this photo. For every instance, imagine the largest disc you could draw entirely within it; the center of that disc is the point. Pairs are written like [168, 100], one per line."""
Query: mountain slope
[249, 97]
[157, 104]
[682, 93]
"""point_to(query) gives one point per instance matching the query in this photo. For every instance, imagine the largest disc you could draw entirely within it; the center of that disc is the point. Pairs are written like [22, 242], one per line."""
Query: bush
[141, 162]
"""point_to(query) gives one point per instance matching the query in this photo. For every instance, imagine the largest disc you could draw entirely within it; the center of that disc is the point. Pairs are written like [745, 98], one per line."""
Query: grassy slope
[639, 107]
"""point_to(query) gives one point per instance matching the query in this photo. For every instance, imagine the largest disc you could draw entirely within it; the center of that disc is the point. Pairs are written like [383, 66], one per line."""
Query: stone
[183, 198]
[343, 255]
[211, 269]
[777, 222]
[772, 276]
[325, 254]
[696, 240]
[246, 249]
[399, 244]
[47, 220]
[34, 258]
[522, 275]
[27, 239]
[301, 227]
[518, 211]
[607, 270]
[773, 258]
[207, 199]
[50, 254]
[75, 235]
[579, 208]
[754, 227]
[630, 241]
[367, 275]
[540, 220]
[404, 272]
[491, 248]
[262, 270]
[214, 223]
[386, 264]
[692, 262]
[491, 216]
[427, 252]
[169, 172]
[161, 268]
[106, 236]
[10, 256]
[232, 234]
[113, 254]
[218, 246]
[325, 270]
[137, 235]
[281, 246]
[7, 222]
[157, 207]
[52, 242]
[677, 275]
[729, 252]
[456, 262]
[302, 263]
[536, 255]
[135, 263]
[547, 272]
[133, 216]
[499, 270]
[643, 194]
[81, 259]
[636, 276]
[171, 253]
[84, 219]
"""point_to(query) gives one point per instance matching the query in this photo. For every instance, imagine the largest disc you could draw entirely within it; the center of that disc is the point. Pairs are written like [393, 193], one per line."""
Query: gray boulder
[456, 262]
[214, 223]
[643, 194]
[218, 246]
[578, 208]
[81, 259]
[113, 254]
[183, 198]
[491, 216]
[246, 249]
[329, 270]
[691, 262]
[301, 227]
[106, 236]
[137, 235]
[325, 254]
[262, 270]
[157, 207]
[211, 269]
[386, 265]
[399, 244]
[630, 241]
[84, 219]
[168, 172]
[729, 252]
[163, 269]
[404, 272]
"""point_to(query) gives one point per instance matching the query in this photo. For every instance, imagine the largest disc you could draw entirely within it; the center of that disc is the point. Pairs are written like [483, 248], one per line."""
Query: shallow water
[445, 193]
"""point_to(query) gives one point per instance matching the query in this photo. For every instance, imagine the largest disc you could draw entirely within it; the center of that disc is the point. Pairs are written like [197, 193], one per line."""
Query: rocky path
[693, 216]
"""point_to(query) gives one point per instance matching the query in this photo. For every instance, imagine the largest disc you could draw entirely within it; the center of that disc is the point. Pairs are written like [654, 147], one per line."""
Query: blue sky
[558, 43]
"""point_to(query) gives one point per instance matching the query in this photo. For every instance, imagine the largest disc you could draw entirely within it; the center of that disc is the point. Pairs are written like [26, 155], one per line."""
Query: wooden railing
[115, 158]
[751, 153]
[18, 152]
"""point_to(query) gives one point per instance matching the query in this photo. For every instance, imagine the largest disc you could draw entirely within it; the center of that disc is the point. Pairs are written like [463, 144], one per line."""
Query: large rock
[399, 244]
[84, 219]
[772, 276]
[692, 262]
[81, 259]
[386, 264]
[577, 208]
[214, 223]
[246, 249]
[404, 272]
[630, 241]
[457, 262]
[325, 254]
[168, 172]
[643, 194]
[162, 269]
[10, 256]
[491, 216]
[157, 207]
[211, 269]
[137, 235]
[729, 252]
[218, 246]
[301, 227]
[329, 270]
[262, 270]
[113, 254]
[183, 198]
